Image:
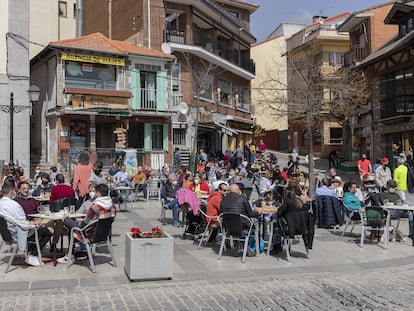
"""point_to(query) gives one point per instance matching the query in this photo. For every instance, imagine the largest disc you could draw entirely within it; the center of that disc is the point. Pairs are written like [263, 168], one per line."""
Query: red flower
[155, 232]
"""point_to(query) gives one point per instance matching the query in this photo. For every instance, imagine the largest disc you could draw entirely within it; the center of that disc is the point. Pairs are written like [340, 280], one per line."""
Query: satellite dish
[166, 48]
[183, 108]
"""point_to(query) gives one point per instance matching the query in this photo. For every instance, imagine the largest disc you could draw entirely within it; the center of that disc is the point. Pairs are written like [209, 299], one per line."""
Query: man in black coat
[236, 202]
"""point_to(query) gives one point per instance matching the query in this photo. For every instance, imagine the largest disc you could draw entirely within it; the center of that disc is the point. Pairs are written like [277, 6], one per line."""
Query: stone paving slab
[364, 290]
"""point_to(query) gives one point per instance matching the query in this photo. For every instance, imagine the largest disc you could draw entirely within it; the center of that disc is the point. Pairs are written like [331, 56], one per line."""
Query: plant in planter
[149, 255]
[155, 232]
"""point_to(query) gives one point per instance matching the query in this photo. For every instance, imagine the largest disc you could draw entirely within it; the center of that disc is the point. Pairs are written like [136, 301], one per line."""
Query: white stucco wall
[4, 28]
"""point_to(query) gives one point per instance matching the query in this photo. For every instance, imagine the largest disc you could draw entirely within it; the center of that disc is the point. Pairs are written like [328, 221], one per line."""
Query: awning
[226, 130]
[244, 131]
[113, 93]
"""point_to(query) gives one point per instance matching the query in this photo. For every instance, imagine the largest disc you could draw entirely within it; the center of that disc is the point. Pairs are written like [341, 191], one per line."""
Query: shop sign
[80, 102]
[86, 58]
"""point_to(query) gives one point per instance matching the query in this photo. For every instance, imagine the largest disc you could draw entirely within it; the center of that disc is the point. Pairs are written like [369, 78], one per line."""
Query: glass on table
[66, 211]
[72, 209]
[46, 210]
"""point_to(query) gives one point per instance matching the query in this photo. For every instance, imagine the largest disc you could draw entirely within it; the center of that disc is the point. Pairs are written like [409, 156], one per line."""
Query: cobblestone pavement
[381, 289]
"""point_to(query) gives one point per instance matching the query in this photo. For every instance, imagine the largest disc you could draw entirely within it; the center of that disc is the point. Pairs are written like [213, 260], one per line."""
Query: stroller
[194, 225]
[194, 222]
[369, 183]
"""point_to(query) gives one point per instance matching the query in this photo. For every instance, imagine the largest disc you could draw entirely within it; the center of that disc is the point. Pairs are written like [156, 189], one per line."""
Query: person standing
[252, 150]
[262, 146]
[400, 177]
[333, 159]
[81, 176]
[383, 174]
[364, 167]
[239, 156]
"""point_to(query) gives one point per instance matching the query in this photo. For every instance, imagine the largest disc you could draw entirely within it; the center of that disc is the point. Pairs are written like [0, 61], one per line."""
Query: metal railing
[174, 35]
[149, 99]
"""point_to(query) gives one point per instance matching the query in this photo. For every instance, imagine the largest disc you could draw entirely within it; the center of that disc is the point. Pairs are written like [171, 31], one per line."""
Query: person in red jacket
[61, 190]
[214, 200]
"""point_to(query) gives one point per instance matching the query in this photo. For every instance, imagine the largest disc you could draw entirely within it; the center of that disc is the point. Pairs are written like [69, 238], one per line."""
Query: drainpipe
[79, 18]
[110, 19]
[149, 24]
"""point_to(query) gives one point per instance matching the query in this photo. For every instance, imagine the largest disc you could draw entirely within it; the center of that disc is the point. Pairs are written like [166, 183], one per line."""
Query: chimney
[79, 18]
[318, 18]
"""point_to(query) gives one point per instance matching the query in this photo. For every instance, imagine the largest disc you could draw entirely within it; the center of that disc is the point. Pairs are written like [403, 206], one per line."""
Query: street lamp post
[34, 93]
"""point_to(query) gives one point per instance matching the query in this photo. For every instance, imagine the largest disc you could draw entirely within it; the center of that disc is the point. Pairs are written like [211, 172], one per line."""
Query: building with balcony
[390, 72]
[103, 96]
[210, 85]
[367, 33]
[316, 52]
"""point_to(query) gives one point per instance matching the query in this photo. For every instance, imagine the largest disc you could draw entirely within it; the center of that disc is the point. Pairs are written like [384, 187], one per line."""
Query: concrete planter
[149, 258]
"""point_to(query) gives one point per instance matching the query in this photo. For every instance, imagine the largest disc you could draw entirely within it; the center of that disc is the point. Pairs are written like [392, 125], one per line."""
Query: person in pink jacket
[81, 176]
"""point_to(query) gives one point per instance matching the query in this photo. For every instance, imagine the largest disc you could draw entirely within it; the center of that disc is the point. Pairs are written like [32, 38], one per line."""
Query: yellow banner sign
[86, 58]
[93, 101]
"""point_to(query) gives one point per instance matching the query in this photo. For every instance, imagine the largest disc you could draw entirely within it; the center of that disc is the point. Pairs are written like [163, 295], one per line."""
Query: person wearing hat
[383, 174]
[338, 186]
[45, 186]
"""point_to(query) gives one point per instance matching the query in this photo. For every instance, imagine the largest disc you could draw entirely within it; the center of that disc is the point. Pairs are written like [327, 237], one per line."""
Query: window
[136, 135]
[157, 136]
[148, 90]
[91, 76]
[224, 94]
[63, 9]
[242, 98]
[406, 26]
[335, 135]
[75, 10]
[336, 59]
[175, 77]
[179, 136]
[206, 84]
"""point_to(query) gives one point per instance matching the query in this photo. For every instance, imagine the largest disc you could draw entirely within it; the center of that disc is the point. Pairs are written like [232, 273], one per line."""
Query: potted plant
[149, 255]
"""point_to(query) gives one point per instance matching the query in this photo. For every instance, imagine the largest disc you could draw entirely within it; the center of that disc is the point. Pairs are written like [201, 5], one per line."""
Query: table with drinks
[45, 213]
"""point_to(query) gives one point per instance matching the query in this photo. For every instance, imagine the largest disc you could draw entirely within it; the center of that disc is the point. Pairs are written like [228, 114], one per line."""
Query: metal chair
[9, 240]
[164, 208]
[205, 236]
[102, 236]
[355, 217]
[287, 236]
[233, 227]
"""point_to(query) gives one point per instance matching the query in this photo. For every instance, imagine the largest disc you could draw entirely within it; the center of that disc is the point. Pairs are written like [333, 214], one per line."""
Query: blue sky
[273, 12]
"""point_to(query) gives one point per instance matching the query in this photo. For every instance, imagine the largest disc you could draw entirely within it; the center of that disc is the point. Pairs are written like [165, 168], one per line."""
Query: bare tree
[201, 73]
[311, 94]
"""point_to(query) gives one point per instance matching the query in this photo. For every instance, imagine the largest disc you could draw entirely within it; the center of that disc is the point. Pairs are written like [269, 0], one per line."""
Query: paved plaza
[339, 276]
